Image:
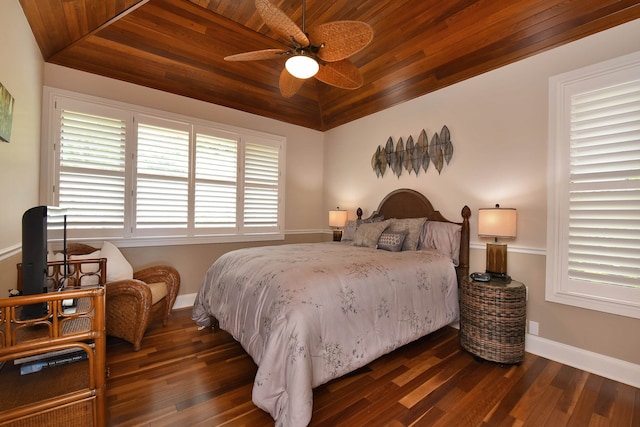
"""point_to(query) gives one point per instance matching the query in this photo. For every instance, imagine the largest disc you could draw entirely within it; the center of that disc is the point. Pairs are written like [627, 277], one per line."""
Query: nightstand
[493, 319]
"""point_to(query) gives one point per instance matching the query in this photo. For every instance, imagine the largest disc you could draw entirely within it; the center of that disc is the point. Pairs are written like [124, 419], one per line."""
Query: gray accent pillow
[367, 234]
[391, 241]
[349, 231]
[413, 229]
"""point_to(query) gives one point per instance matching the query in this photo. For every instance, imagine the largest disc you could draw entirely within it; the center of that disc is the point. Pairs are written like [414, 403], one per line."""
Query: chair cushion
[158, 291]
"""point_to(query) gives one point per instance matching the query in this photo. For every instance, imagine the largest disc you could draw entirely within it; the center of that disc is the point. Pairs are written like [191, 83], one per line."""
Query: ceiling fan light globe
[302, 66]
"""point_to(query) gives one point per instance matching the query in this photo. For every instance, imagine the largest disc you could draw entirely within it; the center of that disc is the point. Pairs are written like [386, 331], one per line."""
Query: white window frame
[618, 300]
[130, 236]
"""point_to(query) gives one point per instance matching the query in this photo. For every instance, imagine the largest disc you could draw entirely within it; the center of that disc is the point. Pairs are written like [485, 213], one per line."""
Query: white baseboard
[605, 366]
[183, 301]
[608, 367]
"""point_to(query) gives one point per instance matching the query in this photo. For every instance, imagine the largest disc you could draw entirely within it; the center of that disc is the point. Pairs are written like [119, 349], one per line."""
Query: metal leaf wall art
[399, 158]
[413, 156]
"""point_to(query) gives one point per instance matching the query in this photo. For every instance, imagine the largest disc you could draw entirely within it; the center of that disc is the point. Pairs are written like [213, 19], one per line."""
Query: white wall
[498, 124]
[21, 75]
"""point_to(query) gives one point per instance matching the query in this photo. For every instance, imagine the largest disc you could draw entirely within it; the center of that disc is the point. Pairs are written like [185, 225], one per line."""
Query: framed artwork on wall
[6, 113]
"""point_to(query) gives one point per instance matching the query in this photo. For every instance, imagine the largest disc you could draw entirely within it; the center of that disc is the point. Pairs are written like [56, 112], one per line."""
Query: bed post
[463, 265]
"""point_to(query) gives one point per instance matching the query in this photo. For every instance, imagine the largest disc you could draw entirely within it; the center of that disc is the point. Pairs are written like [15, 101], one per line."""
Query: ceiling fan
[322, 53]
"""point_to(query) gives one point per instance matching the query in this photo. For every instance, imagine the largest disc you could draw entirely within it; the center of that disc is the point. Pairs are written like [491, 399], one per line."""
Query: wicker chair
[129, 310]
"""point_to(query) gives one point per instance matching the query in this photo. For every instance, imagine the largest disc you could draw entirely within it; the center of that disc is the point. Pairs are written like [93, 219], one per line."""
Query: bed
[309, 313]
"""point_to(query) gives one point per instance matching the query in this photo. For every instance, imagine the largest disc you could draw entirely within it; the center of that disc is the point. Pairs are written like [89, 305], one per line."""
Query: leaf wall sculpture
[408, 157]
[382, 161]
[400, 155]
[414, 155]
[391, 152]
[416, 158]
[423, 144]
[374, 162]
[435, 152]
[379, 162]
[447, 146]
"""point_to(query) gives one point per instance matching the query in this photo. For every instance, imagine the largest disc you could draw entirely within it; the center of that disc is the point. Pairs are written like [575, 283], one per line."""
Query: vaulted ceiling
[419, 46]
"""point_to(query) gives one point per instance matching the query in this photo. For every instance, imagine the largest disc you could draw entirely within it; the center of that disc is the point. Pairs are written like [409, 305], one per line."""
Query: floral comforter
[308, 313]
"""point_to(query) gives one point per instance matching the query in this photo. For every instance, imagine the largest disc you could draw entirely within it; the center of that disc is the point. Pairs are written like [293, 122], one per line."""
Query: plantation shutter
[91, 184]
[162, 175]
[604, 188]
[132, 174]
[261, 187]
[216, 181]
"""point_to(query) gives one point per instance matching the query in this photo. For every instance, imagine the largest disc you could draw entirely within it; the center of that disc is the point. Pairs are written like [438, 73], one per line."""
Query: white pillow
[443, 237]
[89, 267]
[58, 256]
[118, 268]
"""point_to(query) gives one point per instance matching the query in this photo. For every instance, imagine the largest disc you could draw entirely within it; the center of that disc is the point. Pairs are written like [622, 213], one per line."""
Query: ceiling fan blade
[341, 39]
[256, 55]
[342, 74]
[289, 85]
[280, 23]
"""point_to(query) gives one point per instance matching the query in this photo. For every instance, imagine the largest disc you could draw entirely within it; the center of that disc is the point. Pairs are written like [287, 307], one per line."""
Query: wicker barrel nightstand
[493, 319]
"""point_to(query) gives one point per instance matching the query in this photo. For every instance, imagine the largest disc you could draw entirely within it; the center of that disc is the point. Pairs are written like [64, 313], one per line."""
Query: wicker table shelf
[493, 319]
[70, 395]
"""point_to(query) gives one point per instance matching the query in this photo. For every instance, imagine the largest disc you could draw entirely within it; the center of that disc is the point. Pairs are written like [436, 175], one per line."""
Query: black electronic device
[501, 277]
[480, 277]
[34, 259]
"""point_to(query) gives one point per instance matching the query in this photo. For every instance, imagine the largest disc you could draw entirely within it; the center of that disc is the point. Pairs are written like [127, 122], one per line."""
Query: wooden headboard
[406, 203]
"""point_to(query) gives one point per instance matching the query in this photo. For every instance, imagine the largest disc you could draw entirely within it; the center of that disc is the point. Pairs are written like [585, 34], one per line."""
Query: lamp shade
[337, 218]
[497, 222]
[302, 66]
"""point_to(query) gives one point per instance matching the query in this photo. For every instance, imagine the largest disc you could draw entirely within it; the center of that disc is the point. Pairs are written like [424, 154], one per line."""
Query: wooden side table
[493, 319]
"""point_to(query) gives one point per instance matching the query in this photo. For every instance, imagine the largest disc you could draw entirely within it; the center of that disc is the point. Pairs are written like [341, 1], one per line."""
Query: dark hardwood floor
[186, 377]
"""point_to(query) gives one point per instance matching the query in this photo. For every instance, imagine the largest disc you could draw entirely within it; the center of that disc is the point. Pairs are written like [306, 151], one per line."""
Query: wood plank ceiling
[419, 46]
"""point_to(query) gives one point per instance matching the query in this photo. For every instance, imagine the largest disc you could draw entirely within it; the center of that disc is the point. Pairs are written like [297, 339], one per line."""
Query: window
[162, 175]
[124, 172]
[593, 236]
[216, 181]
[260, 186]
[91, 168]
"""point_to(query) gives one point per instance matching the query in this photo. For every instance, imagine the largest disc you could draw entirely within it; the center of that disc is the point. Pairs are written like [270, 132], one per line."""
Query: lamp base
[497, 259]
[337, 235]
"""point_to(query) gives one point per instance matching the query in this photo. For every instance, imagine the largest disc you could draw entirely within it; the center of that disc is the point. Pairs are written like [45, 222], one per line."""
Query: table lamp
[497, 222]
[337, 220]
